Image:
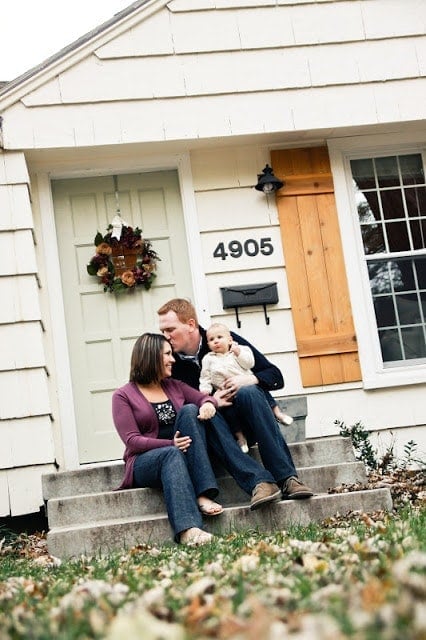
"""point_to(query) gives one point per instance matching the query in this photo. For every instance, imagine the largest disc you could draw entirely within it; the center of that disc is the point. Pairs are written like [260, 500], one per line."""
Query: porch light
[267, 182]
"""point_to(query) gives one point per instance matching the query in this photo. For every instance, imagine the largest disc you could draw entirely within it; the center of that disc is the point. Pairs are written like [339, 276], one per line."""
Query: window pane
[402, 275]
[385, 312]
[387, 171]
[413, 340]
[418, 233]
[415, 198]
[363, 173]
[412, 169]
[368, 206]
[372, 238]
[397, 236]
[392, 204]
[408, 309]
[420, 269]
[380, 277]
[390, 345]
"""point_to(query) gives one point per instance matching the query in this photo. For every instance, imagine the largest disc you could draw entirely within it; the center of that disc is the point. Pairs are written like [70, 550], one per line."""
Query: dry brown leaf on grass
[258, 619]
[314, 564]
[374, 594]
[197, 612]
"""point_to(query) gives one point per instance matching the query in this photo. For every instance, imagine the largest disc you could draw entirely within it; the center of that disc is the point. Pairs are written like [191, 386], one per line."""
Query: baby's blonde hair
[219, 325]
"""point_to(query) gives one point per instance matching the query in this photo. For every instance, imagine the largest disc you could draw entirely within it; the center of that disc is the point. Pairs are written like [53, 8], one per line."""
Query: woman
[160, 422]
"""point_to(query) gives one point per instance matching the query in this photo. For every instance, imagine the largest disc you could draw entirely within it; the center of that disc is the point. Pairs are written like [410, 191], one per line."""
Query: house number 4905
[250, 247]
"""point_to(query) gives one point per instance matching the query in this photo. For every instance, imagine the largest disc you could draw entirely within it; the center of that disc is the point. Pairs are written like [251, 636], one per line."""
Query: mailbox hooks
[248, 296]
[267, 318]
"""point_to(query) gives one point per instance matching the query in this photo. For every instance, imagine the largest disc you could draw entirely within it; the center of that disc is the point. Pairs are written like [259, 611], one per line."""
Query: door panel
[102, 327]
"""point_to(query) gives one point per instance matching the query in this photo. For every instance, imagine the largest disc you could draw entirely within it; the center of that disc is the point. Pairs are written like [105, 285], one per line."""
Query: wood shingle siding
[25, 410]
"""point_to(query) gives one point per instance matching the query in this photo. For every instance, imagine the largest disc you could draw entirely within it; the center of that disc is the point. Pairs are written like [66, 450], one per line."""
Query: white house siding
[25, 427]
[225, 81]
[230, 209]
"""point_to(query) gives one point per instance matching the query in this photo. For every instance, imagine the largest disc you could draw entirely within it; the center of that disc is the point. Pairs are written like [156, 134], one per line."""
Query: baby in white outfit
[228, 358]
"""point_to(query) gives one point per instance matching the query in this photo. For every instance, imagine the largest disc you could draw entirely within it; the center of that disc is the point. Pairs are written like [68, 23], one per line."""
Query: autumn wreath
[123, 259]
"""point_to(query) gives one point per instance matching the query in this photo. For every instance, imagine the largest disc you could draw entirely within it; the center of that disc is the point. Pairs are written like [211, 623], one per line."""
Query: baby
[228, 358]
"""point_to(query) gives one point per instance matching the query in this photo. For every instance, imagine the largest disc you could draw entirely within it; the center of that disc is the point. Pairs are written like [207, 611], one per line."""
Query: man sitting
[242, 402]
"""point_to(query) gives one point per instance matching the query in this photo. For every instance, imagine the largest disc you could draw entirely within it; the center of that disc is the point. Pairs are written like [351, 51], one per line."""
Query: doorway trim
[64, 399]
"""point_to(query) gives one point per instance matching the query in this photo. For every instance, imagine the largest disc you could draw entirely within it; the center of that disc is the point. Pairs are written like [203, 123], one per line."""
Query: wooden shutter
[326, 340]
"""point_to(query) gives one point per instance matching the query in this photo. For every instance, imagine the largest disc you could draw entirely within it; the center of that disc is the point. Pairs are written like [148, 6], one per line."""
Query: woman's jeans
[182, 476]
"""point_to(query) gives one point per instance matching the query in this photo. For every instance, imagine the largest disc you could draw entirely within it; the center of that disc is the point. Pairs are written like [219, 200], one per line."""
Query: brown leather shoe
[263, 493]
[294, 489]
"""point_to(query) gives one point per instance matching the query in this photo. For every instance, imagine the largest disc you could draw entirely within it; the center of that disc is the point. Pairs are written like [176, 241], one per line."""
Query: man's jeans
[182, 476]
[251, 413]
[245, 470]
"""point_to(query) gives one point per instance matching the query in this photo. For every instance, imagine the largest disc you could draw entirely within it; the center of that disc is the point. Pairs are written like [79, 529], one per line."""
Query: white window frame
[375, 374]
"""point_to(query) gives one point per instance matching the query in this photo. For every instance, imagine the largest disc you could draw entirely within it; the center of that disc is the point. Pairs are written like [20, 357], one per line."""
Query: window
[390, 194]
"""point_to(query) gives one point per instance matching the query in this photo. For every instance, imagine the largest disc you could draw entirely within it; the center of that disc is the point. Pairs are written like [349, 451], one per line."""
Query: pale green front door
[102, 327]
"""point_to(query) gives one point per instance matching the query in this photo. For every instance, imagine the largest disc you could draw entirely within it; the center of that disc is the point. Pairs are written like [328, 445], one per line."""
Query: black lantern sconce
[267, 182]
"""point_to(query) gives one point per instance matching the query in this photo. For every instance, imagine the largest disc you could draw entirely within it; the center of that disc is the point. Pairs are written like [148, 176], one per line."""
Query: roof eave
[8, 88]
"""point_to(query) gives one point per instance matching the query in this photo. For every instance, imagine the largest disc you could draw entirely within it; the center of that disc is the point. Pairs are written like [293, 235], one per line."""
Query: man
[242, 403]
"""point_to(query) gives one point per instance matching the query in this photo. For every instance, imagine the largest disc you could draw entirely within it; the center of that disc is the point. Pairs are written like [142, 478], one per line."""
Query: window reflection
[399, 297]
[387, 171]
[377, 200]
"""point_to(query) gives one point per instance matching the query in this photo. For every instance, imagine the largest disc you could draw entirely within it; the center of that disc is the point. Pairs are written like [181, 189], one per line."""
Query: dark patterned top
[166, 415]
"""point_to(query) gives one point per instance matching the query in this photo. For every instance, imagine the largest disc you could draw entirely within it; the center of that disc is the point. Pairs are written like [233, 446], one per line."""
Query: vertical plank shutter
[326, 340]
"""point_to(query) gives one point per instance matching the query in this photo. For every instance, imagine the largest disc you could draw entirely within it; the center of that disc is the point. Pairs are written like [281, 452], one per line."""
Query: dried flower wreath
[123, 260]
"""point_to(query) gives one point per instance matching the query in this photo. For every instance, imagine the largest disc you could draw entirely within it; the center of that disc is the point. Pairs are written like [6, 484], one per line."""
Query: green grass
[343, 573]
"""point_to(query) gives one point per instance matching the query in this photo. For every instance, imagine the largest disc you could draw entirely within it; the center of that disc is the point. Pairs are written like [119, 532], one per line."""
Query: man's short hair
[184, 309]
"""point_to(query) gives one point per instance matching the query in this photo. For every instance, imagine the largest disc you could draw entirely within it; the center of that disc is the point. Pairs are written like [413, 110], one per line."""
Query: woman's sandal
[210, 508]
[194, 537]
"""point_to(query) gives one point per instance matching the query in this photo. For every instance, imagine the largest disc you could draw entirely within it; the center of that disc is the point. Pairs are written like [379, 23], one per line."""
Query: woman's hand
[207, 411]
[181, 442]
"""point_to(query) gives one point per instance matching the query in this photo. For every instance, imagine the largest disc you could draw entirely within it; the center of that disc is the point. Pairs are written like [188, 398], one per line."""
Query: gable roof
[6, 87]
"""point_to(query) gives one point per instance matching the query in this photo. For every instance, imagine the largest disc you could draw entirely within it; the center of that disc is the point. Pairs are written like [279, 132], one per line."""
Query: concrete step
[99, 506]
[86, 515]
[105, 477]
[122, 533]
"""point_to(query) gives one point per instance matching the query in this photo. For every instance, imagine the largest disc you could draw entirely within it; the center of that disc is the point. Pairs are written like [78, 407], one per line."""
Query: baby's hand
[207, 411]
[235, 348]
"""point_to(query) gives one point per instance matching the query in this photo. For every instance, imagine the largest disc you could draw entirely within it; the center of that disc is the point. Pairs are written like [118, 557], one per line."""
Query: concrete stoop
[87, 516]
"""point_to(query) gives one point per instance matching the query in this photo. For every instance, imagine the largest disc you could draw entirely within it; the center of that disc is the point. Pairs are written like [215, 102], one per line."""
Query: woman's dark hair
[146, 363]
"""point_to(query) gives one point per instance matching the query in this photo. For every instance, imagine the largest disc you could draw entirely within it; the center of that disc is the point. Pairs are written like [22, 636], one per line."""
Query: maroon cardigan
[137, 423]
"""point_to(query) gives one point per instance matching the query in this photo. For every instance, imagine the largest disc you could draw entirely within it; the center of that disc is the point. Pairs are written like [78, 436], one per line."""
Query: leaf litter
[358, 575]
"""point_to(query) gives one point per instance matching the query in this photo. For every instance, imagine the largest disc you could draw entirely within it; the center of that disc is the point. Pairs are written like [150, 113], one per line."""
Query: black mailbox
[249, 295]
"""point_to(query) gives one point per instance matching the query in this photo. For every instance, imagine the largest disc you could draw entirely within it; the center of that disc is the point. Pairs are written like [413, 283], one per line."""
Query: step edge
[109, 492]
[152, 517]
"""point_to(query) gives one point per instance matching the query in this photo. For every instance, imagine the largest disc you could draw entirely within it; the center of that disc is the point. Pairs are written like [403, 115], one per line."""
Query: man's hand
[233, 383]
[225, 395]
[207, 411]
[223, 398]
